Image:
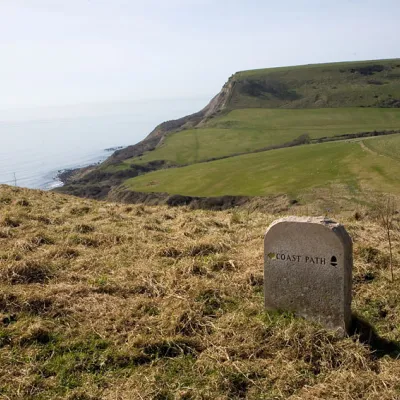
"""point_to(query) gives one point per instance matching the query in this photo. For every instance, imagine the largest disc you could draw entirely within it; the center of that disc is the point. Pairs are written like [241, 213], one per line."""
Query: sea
[36, 144]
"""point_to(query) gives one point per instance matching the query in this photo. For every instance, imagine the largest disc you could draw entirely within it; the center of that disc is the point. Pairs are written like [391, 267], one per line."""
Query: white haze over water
[36, 143]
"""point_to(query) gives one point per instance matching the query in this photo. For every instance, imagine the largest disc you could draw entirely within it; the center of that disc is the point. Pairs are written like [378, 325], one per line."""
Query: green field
[315, 68]
[291, 171]
[247, 130]
[388, 146]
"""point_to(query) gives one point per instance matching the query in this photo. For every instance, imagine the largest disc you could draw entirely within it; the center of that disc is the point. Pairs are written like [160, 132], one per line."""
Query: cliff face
[310, 86]
[93, 182]
[216, 106]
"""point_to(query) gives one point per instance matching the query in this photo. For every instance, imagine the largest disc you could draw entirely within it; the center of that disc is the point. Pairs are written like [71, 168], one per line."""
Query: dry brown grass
[112, 301]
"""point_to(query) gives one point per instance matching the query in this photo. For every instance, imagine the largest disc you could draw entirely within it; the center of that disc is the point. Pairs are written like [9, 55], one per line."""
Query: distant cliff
[362, 84]
[216, 106]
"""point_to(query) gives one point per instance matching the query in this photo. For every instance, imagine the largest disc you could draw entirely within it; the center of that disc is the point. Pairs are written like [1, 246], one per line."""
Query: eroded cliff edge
[94, 182]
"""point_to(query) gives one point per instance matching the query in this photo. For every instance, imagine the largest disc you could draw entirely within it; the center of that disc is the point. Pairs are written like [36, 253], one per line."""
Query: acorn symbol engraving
[334, 261]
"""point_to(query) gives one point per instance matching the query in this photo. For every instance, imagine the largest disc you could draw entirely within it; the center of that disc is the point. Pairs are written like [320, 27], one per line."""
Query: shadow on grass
[367, 334]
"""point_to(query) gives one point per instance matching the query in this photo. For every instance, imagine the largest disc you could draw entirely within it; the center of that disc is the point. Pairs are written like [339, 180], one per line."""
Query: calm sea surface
[35, 144]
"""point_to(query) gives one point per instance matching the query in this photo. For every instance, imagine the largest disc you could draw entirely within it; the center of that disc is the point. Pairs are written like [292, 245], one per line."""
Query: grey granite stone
[308, 270]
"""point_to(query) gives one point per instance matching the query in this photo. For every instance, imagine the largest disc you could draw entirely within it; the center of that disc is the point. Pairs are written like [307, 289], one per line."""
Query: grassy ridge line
[167, 303]
[290, 171]
[353, 84]
[243, 131]
[338, 64]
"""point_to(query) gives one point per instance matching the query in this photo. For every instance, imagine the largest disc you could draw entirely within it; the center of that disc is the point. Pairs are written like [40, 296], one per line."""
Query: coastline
[56, 179]
[64, 175]
[35, 152]
[48, 175]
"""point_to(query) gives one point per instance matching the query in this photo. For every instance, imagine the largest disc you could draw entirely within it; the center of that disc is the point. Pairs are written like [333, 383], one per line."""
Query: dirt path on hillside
[366, 148]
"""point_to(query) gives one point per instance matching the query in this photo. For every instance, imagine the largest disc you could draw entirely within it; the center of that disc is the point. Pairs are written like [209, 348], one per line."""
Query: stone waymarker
[308, 270]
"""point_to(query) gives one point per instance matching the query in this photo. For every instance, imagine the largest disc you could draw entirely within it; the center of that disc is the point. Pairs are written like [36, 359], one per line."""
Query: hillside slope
[99, 300]
[355, 84]
[353, 166]
[248, 130]
[258, 110]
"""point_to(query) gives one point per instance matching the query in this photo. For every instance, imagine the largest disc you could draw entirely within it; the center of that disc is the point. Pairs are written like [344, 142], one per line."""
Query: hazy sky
[57, 52]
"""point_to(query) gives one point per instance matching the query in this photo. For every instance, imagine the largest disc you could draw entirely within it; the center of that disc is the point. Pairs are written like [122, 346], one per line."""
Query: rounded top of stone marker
[328, 223]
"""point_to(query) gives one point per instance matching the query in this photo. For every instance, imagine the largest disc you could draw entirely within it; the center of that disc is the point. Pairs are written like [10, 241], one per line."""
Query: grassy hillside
[290, 171]
[247, 130]
[388, 146]
[353, 84]
[106, 301]
[264, 109]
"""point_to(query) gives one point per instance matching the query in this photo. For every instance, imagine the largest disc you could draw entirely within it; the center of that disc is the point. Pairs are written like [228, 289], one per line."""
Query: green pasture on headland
[349, 84]
[312, 68]
[248, 130]
[222, 150]
[290, 171]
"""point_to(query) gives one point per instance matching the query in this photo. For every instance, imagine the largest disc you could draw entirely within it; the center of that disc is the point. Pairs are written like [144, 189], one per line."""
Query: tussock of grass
[65, 252]
[37, 333]
[94, 305]
[22, 203]
[374, 256]
[205, 248]
[5, 233]
[80, 211]
[10, 222]
[172, 252]
[26, 272]
[83, 228]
